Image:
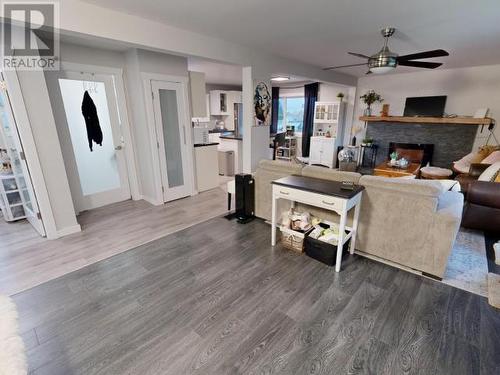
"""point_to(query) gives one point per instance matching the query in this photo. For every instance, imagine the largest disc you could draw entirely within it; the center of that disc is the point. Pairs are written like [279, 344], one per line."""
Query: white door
[170, 112]
[315, 151]
[18, 162]
[328, 151]
[96, 165]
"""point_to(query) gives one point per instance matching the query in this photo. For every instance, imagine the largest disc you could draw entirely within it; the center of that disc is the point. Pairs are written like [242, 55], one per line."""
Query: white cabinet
[323, 151]
[219, 104]
[198, 94]
[329, 119]
[327, 112]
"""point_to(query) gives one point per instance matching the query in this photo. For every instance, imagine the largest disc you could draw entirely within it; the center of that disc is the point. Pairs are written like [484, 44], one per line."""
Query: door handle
[284, 192]
[328, 203]
[118, 148]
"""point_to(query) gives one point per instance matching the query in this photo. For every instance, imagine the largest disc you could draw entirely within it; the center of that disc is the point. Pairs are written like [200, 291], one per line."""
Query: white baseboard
[67, 231]
[153, 201]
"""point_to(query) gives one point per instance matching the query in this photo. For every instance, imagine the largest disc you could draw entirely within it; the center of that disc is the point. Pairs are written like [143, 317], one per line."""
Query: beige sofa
[413, 223]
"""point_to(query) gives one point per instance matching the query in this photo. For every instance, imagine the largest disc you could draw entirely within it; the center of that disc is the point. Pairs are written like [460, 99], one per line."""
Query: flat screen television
[432, 106]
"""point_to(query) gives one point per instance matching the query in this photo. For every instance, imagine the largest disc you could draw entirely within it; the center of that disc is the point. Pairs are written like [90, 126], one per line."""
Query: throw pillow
[490, 173]
[492, 158]
[497, 179]
[463, 165]
[484, 151]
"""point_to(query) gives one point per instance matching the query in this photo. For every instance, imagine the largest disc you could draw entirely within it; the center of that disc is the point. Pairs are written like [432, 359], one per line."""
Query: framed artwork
[262, 103]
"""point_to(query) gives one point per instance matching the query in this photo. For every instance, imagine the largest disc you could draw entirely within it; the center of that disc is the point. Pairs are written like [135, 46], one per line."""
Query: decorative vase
[368, 111]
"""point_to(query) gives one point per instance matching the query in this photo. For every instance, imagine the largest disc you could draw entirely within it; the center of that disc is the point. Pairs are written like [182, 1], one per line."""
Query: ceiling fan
[385, 60]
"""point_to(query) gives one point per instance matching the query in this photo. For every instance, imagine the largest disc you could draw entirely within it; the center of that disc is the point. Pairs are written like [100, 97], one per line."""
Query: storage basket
[292, 239]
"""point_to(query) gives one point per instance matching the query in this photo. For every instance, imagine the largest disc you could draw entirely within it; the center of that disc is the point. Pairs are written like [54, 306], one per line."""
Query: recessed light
[280, 79]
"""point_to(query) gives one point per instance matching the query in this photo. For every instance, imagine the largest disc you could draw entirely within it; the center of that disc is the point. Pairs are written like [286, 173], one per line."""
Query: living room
[361, 235]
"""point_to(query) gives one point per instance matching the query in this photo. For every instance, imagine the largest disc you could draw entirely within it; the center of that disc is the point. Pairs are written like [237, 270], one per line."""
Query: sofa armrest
[476, 169]
[484, 193]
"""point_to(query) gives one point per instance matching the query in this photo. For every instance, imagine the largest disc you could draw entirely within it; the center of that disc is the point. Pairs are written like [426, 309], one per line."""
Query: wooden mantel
[430, 120]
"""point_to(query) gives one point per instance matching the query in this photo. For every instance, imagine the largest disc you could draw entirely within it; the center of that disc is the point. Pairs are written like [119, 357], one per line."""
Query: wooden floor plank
[223, 301]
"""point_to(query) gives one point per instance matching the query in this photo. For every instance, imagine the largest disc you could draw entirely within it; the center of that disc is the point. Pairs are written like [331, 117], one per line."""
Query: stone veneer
[451, 141]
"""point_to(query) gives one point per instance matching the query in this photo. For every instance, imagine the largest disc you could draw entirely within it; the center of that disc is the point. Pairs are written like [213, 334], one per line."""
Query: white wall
[43, 127]
[467, 90]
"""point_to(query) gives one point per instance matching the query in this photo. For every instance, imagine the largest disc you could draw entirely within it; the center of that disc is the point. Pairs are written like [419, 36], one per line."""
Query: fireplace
[414, 152]
[451, 142]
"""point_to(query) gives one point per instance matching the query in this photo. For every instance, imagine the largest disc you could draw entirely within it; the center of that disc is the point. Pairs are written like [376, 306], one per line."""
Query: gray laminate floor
[217, 299]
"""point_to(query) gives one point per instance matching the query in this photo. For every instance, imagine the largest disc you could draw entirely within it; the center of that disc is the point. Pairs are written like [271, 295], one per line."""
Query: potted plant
[369, 98]
[367, 141]
[340, 95]
[394, 158]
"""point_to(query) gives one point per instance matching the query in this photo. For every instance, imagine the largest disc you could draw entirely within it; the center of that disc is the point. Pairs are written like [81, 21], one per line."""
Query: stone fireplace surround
[451, 141]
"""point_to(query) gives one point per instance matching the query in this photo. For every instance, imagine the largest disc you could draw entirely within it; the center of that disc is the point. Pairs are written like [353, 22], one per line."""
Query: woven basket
[292, 239]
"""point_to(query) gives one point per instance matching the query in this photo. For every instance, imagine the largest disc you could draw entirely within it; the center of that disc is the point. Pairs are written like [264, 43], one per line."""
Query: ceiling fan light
[382, 69]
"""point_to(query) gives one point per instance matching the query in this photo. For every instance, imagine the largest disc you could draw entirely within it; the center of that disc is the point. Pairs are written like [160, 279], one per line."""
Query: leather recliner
[482, 207]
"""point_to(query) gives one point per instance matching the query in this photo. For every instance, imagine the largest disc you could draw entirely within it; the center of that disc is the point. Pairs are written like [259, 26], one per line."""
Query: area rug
[12, 354]
[467, 266]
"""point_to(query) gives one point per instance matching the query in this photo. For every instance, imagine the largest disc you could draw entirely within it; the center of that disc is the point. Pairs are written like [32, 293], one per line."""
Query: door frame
[129, 148]
[148, 99]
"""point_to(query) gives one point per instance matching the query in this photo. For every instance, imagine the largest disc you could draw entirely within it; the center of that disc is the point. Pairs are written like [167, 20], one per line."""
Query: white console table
[324, 194]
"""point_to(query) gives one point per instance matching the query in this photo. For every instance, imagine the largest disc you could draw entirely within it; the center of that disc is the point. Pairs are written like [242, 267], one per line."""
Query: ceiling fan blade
[344, 66]
[420, 64]
[424, 55]
[359, 55]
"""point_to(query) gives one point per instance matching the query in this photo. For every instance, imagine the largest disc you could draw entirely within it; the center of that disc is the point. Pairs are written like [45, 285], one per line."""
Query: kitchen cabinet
[219, 103]
[207, 170]
[198, 95]
[322, 151]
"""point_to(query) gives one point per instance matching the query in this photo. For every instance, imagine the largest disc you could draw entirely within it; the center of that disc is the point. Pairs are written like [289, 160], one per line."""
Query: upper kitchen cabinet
[198, 95]
[219, 104]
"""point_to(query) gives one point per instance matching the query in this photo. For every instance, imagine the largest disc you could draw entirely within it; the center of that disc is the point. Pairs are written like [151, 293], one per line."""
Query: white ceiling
[215, 72]
[320, 32]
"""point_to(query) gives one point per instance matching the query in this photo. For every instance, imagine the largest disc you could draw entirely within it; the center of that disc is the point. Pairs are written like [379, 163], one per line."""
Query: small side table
[373, 155]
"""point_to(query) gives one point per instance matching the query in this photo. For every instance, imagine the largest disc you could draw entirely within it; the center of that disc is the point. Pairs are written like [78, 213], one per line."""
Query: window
[290, 112]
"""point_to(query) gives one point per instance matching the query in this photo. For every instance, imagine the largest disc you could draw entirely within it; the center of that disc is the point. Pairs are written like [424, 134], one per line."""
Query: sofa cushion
[279, 166]
[429, 188]
[330, 174]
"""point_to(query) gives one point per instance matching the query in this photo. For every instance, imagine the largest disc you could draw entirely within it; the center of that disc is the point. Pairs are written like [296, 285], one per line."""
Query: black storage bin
[320, 250]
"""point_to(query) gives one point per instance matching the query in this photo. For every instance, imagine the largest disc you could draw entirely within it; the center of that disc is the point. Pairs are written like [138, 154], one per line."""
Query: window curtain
[275, 109]
[310, 98]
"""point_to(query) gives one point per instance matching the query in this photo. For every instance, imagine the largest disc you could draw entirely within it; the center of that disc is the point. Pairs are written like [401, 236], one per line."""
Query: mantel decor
[430, 120]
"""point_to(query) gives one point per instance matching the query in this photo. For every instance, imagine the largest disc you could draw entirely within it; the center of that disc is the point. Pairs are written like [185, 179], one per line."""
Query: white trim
[121, 98]
[31, 153]
[68, 230]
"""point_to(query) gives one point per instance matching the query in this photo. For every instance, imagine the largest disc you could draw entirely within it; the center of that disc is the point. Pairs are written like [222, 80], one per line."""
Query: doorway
[169, 107]
[92, 141]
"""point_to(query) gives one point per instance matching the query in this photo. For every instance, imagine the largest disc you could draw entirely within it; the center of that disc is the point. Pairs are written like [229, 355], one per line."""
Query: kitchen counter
[231, 136]
[207, 166]
[206, 144]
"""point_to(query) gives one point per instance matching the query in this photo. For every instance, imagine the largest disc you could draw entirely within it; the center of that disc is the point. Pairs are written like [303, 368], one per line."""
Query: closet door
[91, 138]
[22, 187]
[170, 111]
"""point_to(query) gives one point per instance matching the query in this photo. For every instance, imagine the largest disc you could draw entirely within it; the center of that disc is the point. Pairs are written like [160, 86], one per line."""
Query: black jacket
[89, 112]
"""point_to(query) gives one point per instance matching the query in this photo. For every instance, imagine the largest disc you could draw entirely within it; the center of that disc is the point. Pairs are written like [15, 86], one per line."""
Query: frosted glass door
[92, 148]
[170, 120]
[171, 137]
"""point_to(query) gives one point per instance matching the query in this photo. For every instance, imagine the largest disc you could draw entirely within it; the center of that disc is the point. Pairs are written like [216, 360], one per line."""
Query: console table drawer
[306, 197]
